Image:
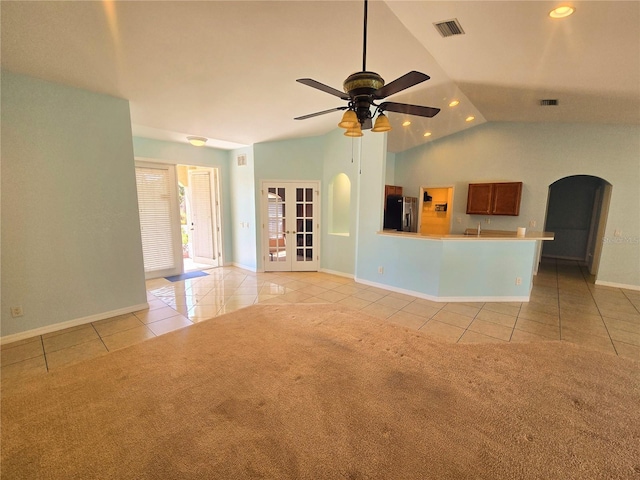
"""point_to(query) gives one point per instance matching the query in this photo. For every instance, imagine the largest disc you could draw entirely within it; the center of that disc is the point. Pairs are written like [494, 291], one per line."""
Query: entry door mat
[186, 276]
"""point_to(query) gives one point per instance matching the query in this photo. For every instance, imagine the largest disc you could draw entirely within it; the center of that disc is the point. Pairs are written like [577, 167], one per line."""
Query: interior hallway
[565, 305]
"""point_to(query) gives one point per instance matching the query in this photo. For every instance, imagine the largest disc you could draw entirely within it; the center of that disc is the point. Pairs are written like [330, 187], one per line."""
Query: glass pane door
[291, 222]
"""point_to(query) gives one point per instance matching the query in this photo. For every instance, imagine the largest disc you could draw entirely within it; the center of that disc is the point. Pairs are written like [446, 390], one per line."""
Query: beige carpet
[323, 392]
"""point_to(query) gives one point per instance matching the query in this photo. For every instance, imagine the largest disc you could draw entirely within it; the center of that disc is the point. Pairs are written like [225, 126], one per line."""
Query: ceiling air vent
[449, 28]
[549, 102]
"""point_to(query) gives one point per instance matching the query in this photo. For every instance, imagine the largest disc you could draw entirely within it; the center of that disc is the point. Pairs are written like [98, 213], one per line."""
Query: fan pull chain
[352, 140]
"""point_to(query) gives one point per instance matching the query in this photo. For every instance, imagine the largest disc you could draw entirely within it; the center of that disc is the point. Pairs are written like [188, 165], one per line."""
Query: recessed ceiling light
[470, 118]
[406, 123]
[561, 12]
[427, 134]
[197, 141]
[454, 103]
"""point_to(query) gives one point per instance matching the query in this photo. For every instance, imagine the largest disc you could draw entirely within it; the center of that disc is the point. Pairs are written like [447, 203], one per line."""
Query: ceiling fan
[363, 89]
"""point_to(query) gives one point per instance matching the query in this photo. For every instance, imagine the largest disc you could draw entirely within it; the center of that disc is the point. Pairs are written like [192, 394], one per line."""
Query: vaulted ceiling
[227, 70]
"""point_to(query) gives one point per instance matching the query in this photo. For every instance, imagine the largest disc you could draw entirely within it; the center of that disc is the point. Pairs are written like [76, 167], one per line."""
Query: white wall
[71, 245]
[538, 155]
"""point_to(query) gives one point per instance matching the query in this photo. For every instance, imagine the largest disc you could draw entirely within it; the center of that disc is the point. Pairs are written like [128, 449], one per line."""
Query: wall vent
[242, 160]
[449, 28]
[549, 102]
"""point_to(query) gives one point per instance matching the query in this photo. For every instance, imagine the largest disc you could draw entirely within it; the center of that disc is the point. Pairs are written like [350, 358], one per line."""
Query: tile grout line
[600, 314]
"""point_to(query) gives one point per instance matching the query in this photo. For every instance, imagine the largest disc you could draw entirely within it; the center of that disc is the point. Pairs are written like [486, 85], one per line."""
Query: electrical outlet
[458, 220]
[617, 233]
[487, 221]
[518, 281]
[17, 311]
[532, 223]
[380, 270]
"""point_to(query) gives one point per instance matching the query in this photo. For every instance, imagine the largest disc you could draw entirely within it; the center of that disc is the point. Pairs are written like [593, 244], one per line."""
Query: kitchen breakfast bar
[492, 266]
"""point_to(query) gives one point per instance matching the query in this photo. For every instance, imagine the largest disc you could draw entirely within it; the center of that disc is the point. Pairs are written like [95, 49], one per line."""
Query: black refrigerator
[401, 213]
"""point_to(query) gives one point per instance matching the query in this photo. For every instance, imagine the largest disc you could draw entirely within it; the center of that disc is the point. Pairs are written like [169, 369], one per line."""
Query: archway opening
[577, 209]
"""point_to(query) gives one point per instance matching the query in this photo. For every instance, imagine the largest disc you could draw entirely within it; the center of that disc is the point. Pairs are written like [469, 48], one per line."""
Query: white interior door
[159, 219]
[203, 218]
[290, 228]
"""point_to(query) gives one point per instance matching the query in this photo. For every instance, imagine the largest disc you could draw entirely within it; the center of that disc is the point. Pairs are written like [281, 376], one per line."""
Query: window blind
[154, 203]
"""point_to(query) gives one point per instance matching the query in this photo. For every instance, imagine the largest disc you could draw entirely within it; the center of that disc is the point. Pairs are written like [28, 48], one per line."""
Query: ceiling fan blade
[325, 88]
[409, 109]
[407, 80]
[304, 117]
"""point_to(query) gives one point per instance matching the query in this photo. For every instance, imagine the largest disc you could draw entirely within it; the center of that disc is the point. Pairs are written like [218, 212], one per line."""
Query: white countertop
[472, 235]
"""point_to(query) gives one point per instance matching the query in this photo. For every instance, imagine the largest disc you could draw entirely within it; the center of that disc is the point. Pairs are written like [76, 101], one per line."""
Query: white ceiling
[227, 70]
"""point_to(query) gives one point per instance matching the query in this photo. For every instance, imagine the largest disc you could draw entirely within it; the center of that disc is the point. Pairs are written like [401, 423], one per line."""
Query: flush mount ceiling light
[561, 12]
[427, 134]
[470, 118]
[454, 103]
[406, 123]
[197, 141]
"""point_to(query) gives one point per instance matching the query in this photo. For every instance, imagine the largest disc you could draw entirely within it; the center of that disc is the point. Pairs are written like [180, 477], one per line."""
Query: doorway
[577, 209]
[200, 223]
[291, 213]
[435, 210]
[180, 221]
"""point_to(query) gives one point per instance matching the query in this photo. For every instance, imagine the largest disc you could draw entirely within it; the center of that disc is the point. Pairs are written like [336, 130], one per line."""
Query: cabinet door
[391, 190]
[479, 198]
[506, 198]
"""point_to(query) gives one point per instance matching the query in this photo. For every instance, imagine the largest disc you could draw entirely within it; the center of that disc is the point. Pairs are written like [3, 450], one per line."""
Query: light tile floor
[565, 305]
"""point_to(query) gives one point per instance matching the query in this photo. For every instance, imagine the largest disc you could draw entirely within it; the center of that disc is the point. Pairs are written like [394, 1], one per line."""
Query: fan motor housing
[362, 83]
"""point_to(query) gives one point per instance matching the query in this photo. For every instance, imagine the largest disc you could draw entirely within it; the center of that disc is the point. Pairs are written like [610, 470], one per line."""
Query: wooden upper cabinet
[479, 198]
[391, 190]
[494, 198]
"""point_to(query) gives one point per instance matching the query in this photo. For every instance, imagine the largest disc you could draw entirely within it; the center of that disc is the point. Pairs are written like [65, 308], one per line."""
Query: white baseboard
[244, 267]
[433, 298]
[71, 323]
[618, 285]
[335, 272]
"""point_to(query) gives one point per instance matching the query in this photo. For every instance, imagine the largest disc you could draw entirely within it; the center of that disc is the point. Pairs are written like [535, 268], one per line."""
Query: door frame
[264, 217]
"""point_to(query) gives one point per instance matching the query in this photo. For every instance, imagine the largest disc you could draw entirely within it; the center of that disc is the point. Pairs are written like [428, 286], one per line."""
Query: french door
[159, 219]
[205, 227]
[291, 222]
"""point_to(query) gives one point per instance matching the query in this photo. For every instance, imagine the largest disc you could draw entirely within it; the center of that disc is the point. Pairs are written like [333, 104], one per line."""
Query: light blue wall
[484, 269]
[299, 159]
[341, 155]
[243, 210]
[390, 172]
[71, 244]
[372, 249]
[149, 149]
[538, 155]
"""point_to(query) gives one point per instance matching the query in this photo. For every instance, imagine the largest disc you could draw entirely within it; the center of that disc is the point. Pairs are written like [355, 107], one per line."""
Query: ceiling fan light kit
[363, 89]
[349, 119]
[382, 124]
[354, 131]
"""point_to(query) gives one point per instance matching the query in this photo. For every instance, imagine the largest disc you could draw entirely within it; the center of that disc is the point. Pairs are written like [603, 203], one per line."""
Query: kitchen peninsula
[494, 266]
